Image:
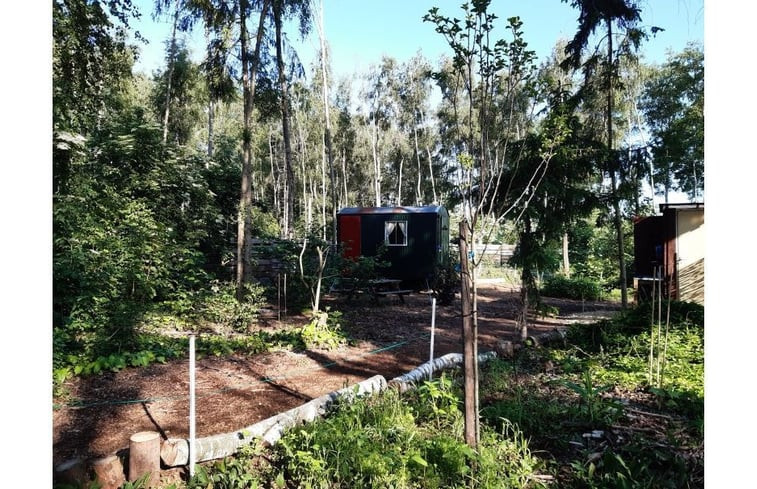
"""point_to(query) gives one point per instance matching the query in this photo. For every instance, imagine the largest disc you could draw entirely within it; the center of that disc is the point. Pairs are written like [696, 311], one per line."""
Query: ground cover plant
[578, 414]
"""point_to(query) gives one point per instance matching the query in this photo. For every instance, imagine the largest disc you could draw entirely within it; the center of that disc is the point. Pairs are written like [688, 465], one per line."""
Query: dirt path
[234, 392]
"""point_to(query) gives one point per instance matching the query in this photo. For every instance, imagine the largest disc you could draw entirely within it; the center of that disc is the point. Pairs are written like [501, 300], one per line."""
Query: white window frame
[389, 228]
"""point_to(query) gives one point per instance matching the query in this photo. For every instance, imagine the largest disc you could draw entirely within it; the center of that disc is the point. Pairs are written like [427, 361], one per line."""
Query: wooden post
[144, 457]
[192, 420]
[470, 362]
[109, 472]
[433, 323]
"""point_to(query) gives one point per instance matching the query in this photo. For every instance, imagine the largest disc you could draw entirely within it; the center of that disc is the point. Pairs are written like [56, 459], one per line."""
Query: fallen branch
[645, 413]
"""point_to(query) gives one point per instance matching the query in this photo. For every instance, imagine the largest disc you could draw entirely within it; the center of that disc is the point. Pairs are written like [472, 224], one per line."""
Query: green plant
[436, 401]
[323, 331]
[580, 288]
[592, 404]
[236, 472]
[222, 307]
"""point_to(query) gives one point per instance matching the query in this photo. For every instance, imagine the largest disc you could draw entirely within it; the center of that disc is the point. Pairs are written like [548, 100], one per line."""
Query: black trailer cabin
[416, 239]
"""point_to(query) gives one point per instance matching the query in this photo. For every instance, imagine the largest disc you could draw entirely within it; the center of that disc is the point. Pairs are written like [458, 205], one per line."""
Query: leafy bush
[580, 288]
[385, 442]
[682, 314]
[323, 331]
[221, 306]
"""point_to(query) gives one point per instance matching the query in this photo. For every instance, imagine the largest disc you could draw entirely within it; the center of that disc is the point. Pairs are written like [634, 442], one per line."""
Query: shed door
[349, 235]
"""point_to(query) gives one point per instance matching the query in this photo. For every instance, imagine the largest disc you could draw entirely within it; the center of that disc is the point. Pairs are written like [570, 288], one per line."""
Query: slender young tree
[327, 116]
[486, 86]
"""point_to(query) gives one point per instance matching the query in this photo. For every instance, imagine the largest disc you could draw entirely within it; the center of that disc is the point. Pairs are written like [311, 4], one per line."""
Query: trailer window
[395, 233]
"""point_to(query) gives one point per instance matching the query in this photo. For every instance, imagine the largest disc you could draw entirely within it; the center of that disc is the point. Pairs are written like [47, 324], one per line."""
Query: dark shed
[416, 239]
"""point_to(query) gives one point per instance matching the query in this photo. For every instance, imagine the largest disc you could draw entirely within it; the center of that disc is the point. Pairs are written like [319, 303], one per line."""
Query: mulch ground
[390, 338]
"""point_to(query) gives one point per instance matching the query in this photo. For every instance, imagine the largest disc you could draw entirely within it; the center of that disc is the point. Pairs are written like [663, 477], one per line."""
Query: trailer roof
[429, 209]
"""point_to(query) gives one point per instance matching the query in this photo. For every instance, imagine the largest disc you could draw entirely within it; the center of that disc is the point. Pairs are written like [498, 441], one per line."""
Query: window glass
[395, 233]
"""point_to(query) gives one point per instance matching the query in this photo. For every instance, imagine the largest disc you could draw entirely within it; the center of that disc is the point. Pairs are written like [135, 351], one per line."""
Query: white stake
[192, 456]
[433, 321]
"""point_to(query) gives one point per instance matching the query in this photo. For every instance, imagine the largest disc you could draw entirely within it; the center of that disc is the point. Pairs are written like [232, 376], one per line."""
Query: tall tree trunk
[376, 164]
[211, 117]
[470, 343]
[171, 64]
[613, 179]
[418, 194]
[526, 277]
[430, 167]
[249, 71]
[344, 177]
[283, 86]
[211, 102]
[327, 131]
[565, 257]
[399, 184]
[274, 177]
[431, 175]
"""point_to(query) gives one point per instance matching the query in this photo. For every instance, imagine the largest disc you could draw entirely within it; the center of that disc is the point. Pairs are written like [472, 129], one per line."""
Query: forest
[170, 189]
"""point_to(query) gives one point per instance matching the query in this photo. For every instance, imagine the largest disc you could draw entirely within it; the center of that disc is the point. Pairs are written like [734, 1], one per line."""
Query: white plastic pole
[192, 456]
[433, 322]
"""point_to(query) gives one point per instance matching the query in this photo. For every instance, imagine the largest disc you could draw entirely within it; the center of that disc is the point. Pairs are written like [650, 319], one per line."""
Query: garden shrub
[582, 288]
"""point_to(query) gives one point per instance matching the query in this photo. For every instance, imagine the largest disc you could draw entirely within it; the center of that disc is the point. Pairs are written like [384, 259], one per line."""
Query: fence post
[433, 322]
[192, 456]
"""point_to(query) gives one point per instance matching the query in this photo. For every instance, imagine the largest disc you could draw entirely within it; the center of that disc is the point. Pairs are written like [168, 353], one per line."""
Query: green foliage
[593, 405]
[91, 60]
[673, 105]
[220, 306]
[580, 288]
[384, 442]
[594, 249]
[447, 279]
[324, 331]
[238, 472]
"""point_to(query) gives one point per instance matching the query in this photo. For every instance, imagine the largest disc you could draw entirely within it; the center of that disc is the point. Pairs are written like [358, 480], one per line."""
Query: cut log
[450, 360]
[144, 457]
[109, 472]
[549, 336]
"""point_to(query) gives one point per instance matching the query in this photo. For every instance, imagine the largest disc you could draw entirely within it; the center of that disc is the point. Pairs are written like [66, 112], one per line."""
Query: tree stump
[144, 457]
[109, 472]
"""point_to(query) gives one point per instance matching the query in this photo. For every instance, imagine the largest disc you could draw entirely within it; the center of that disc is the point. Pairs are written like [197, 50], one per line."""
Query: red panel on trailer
[349, 235]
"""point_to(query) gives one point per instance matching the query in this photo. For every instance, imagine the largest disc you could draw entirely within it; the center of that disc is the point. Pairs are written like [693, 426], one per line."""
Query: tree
[183, 83]
[328, 148]
[282, 9]
[565, 192]
[594, 15]
[91, 61]
[673, 106]
[221, 17]
[381, 109]
[487, 86]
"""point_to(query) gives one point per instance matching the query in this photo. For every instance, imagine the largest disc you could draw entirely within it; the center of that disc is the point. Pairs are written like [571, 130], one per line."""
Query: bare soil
[390, 338]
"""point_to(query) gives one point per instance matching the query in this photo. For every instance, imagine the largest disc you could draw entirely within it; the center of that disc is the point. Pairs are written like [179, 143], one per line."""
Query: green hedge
[560, 286]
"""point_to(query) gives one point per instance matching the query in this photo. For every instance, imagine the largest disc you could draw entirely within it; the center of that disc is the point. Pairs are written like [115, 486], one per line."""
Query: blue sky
[360, 32]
